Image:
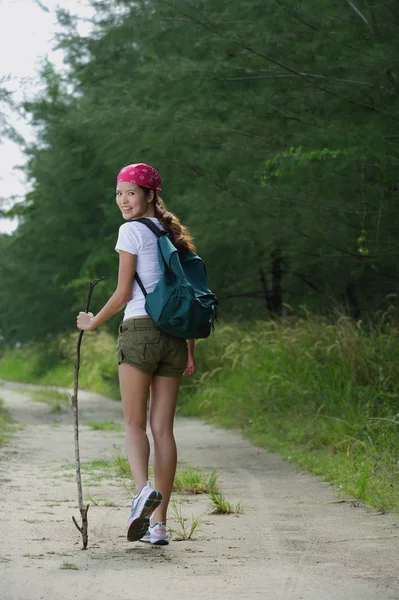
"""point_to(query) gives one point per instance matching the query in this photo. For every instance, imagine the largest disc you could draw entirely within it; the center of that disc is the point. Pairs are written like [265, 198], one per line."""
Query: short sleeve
[129, 239]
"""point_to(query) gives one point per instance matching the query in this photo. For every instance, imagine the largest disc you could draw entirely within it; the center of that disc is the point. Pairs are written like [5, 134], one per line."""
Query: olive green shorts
[143, 345]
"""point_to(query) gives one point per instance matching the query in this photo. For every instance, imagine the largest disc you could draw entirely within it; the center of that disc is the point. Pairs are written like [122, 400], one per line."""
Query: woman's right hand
[84, 321]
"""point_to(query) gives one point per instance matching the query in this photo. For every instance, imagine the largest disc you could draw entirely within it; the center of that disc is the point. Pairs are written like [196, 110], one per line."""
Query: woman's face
[132, 201]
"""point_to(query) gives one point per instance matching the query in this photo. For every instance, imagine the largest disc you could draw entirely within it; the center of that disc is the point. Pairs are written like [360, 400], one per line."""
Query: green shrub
[52, 363]
[325, 395]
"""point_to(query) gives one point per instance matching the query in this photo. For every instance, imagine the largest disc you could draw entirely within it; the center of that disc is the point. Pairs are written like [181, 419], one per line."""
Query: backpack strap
[156, 231]
[154, 228]
[141, 286]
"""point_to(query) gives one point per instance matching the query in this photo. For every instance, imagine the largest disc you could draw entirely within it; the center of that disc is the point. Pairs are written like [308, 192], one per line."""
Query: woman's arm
[119, 299]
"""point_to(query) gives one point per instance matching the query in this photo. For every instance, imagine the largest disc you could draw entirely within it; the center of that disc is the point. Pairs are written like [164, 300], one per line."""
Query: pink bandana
[140, 174]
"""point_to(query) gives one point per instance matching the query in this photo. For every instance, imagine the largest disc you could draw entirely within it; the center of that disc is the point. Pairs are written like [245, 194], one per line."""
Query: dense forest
[275, 127]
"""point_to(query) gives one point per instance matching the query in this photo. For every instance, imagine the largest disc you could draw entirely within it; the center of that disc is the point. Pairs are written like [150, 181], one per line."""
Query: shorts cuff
[126, 361]
[169, 372]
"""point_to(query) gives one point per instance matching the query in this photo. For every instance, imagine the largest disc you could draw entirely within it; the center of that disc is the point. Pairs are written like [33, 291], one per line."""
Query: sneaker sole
[160, 543]
[139, 527]
[157, 543]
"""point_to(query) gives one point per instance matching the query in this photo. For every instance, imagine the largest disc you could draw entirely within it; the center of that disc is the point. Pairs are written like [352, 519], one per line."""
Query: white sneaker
[143, 505]
[157, 535]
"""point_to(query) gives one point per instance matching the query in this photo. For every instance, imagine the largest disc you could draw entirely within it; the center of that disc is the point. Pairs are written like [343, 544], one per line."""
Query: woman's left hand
[84, 321]
[190, 368]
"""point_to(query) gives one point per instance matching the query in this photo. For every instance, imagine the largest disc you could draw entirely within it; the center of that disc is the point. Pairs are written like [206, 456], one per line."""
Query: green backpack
[181, 304]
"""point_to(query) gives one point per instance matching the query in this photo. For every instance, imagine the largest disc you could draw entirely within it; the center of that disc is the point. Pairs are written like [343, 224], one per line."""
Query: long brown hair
[179, 234]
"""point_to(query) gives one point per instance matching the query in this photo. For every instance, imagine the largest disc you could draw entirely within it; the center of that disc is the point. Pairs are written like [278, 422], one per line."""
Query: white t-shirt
[136, 238]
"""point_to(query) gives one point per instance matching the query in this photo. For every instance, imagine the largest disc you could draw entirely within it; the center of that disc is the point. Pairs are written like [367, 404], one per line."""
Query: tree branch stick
[74, 399]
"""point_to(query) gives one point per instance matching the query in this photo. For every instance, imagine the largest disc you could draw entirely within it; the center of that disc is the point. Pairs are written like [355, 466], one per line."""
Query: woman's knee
[134, 427]
[160, 430]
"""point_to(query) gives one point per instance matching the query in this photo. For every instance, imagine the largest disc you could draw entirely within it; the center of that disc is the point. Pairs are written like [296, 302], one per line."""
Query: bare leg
[164, 392]
[134, 386]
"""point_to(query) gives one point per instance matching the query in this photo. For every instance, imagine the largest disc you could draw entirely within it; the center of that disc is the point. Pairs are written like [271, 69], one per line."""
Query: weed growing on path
[95, 471]
[71, 566]
[222, 506]
[100, 501]
[184, 529]
[33, 520]
[191, 480]
[54, 398]
[104, 425]
[122, 466]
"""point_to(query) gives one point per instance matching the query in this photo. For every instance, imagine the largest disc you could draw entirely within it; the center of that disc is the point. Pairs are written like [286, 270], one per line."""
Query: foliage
[191, 480]
[184, 530]
[5, 424]
[221, 506]
[324, 394]
[52, 363]
[104, 425]
[274, 126]
[6, 102]
[54, 398]
[70, 566]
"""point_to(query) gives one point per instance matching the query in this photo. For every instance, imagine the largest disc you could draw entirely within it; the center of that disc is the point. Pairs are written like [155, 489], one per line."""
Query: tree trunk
[351, 300]
[277, 270]
[265, 288]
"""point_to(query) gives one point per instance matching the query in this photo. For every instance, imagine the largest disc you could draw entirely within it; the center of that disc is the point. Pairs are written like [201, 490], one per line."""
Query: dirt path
[294, 541]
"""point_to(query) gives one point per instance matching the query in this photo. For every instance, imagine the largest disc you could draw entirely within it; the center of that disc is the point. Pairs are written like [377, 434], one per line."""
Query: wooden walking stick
[74, 399]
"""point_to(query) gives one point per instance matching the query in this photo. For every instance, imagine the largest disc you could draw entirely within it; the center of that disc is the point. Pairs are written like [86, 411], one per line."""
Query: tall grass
[325, 395]
[52, 363]
[5, 424]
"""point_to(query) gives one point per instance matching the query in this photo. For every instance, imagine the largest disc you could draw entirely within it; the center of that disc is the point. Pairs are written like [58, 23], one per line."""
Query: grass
[54, 398]
[5, 424]
[94, 472]
[221, 506]
[122, 466]
[325, 395]
[97, 470]
[184, 529]
[70, 566]
[52, 363]
[32, 520]
[104, 425]
[190, 480]
[100, 501]
[99, 464]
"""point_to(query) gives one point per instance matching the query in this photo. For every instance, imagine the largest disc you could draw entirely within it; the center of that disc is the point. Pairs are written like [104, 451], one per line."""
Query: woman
[149, 359]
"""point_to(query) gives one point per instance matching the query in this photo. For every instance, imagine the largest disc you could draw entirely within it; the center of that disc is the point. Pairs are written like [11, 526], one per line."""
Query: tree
[274, 126]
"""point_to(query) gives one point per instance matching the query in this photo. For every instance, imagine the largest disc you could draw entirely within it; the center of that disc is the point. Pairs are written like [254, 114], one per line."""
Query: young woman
[149, 359]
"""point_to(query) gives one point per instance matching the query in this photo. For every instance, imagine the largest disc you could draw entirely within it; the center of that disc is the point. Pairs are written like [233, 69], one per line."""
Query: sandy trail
[294, 541]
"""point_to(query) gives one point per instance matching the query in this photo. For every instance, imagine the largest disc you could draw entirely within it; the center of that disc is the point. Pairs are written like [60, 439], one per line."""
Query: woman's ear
[151, 196]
